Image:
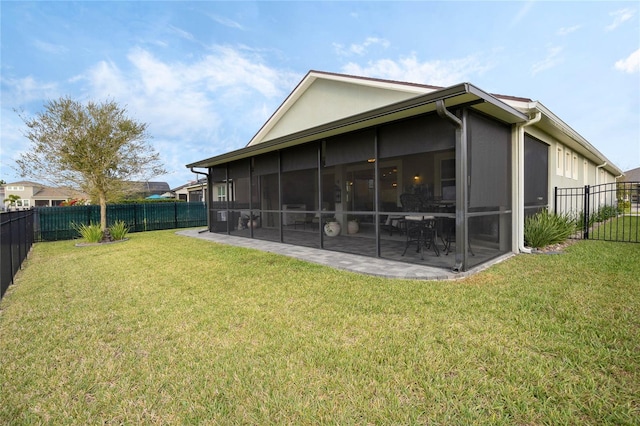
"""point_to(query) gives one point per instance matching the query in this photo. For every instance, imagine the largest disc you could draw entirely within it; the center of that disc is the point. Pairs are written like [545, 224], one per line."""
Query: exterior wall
[345, 100]
[39, 196]
[25, 193]
[569, 168]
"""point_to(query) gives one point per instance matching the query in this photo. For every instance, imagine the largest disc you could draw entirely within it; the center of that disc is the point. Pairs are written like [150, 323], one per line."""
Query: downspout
[520, 192]
[209, 192]
[462, 182]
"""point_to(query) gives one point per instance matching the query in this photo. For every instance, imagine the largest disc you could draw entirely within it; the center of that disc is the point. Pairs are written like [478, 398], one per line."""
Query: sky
[206, 75]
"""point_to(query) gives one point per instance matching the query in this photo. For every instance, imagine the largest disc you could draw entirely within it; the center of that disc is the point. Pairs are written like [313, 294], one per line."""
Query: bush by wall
[544, 228]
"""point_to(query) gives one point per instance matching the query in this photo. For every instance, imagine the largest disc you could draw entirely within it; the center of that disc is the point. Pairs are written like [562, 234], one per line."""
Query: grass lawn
[621, 228]
[164, 329]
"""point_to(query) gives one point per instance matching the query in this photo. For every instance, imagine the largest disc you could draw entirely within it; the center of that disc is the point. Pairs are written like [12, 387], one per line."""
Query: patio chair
[447, 233]
[422, 233]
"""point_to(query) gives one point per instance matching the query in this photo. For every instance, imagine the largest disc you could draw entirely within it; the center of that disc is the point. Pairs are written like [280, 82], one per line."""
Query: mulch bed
[554, 248]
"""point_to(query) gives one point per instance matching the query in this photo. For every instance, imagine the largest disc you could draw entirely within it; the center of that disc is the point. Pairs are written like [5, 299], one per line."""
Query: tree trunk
[103, 212]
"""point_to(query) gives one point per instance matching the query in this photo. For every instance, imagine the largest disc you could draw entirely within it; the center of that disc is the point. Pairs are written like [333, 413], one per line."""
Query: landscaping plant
[90, 233]
[544, 228]
[119, 230]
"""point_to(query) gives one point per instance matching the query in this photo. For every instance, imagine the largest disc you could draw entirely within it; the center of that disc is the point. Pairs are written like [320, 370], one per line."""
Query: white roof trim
[312, 76]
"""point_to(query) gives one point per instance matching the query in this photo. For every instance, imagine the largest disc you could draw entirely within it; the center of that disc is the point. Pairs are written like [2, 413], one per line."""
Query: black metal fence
[609, 211]
[58, 223]
[16, 239]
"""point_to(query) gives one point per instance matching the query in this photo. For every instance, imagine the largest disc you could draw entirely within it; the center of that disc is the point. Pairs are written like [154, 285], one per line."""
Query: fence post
[585, 214]
[555, 200]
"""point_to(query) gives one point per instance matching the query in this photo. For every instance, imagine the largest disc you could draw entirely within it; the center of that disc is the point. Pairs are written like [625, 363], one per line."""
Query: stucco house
[194, 191]
[33, 194]
[442, 176]
[632, 185]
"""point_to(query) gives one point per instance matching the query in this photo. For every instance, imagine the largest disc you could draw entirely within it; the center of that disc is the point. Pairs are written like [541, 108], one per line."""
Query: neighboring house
[146, 189]
[34, 194]
[196, 191]
[632, 177]
[342, 146]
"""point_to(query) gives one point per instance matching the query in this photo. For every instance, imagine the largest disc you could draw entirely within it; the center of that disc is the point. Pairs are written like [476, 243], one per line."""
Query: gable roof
[632, 175]
[324, 104]
[331, 111]
[24, 183]
[345, 94]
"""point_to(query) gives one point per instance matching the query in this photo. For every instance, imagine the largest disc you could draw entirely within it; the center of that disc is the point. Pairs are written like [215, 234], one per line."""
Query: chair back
[411, 202]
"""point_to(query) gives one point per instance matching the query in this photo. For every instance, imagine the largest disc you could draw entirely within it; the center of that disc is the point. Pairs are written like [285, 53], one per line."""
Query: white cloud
[182, 33]
[437, 72]
[524, 11]
[568, 30]
[200, 105]
[630, 64]
[552, 59]
[226, 22]
[50, 47]
[20, 91]
[619, 17]
[360, 48]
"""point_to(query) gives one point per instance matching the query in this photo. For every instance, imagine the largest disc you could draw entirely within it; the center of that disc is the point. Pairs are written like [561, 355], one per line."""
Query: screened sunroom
[425, 180]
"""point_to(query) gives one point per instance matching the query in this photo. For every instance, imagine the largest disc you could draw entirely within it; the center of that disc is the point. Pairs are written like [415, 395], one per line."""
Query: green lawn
[164, 329]
[621, 228]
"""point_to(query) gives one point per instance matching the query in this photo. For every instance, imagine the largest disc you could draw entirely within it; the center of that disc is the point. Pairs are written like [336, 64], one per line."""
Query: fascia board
[572, 138]
[496, 107]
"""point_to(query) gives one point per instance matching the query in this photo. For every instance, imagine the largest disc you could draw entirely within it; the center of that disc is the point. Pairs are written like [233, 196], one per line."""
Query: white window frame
[222, 193]
[575, 166]
[560, 160]
[567, 163]
[585, 172]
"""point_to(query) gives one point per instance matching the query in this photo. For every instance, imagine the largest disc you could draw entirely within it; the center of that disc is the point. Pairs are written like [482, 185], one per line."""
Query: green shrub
[90, 233]
[624, 206]
[545, 228]
[119, 230]
[605, 213]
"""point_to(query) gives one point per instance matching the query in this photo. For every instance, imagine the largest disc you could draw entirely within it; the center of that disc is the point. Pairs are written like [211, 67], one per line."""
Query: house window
[559, 161]
[15, 188]
[575, 167]
[567, 164]
[448, 179]
[222, 193]
[585, 172]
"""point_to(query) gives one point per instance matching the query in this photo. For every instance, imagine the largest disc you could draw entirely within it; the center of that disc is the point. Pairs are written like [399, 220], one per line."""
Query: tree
[11, 199]
[95, 148]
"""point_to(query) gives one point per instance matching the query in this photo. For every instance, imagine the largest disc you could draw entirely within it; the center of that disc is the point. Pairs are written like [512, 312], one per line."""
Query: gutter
[520, 180]
[203, 199]
[462, 181]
